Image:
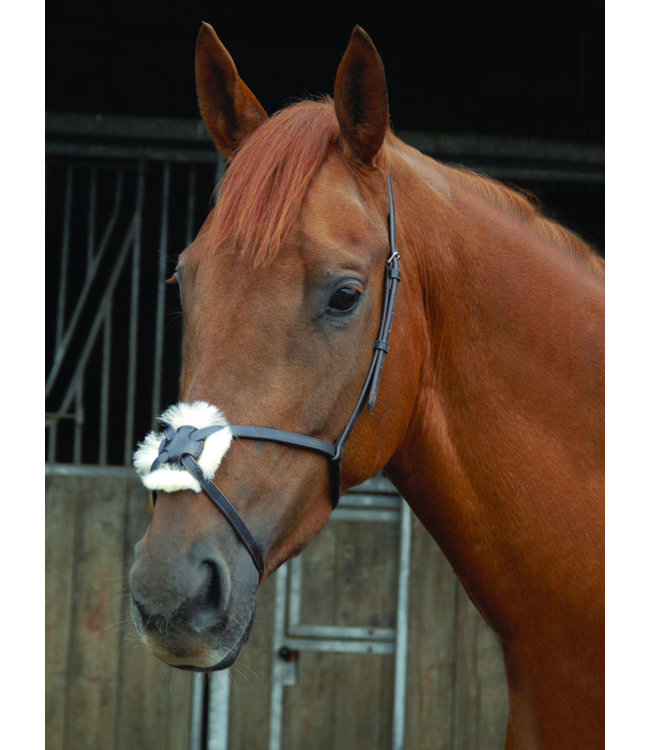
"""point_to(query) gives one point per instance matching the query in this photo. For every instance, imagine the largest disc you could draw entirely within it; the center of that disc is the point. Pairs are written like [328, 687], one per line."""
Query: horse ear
[361, 98]
[228, 107]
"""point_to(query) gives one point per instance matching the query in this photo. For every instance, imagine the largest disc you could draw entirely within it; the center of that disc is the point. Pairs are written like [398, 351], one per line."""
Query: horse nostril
[149, 620]
[214, 590]
[212, 600]
[194, 596]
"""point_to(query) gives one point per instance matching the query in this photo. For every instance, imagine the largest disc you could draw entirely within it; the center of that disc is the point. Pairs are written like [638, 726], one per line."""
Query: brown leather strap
[228, 510]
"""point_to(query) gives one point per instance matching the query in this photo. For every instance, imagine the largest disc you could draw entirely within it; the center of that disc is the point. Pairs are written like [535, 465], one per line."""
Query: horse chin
[209, 652]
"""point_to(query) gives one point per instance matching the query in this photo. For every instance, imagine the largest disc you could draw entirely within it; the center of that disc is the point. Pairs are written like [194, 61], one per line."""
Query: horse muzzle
[191, 610]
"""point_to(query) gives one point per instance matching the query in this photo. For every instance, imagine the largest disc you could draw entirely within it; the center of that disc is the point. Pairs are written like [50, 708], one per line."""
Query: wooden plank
[349, 578]
[92, 666]
[341, 701]
[103, 689]
[480, 689]
[465, 689]
[155, 700]
[430, 676]
[317, 594]
[456, 687]
[349, 575]
[60, 525]
[366, 567]
[364, 701]
[492, 689]
[250, 679]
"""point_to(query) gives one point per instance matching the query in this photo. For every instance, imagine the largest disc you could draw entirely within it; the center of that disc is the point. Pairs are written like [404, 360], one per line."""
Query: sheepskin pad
[171, 478]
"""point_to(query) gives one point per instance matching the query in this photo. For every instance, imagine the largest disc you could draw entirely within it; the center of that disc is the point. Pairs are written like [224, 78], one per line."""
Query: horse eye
[344, 299]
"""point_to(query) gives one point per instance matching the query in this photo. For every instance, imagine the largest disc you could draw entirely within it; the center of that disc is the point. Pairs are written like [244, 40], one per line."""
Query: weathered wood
[349, 575]
[155, 701]
[60, 526]
[456, 689]
[94, 643]
[349, 579]
[250, 683]
[492, 689]
[103, 689]
[431, 656]
[340, 701]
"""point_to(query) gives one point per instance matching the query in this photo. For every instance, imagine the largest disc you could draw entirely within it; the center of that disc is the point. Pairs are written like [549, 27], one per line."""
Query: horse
[477, 385]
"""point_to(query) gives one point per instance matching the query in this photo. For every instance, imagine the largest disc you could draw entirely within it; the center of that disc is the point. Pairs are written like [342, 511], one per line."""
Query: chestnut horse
[488, 419]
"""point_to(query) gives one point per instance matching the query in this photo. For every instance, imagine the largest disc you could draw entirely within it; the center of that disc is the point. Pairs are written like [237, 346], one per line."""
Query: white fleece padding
[168, 478]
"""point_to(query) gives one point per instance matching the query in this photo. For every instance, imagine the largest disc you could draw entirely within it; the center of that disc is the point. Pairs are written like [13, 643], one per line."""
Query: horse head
[283, 291]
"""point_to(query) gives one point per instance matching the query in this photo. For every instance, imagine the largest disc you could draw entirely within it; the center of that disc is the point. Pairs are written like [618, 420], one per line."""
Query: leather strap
[228, 510]
[294, 439]
[251, 432]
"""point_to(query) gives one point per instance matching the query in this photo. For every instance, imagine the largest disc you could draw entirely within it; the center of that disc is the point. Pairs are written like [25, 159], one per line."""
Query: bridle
[183, 446]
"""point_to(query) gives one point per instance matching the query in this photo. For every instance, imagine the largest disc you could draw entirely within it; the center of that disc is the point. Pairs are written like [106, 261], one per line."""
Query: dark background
[501, 67]
[500, 70]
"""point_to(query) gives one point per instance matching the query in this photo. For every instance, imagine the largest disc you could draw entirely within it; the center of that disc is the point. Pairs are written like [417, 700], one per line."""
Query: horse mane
[262, 191]
[525, 205]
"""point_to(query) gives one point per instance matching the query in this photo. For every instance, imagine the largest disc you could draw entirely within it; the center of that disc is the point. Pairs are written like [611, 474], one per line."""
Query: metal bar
[401, 637]
[74, 320]
[89, 470]
[538, 174]
[160, 296]
[221, 168]
[279, 666]
[219, 697]
[342, 632]
[110, 224]
[78, 422]
[105, 385]
[92, 215]
[378, 484]
[365, 514]
[51, 418]
[51, 440]
[295, 627]
[149, 153]
[196, 727]
[99, 318]
[191, 204]
[295, 594]
[133, 313]
[339, 646]
[194, 132]
[65, 252]
[358, 500]
[190, 228]
[120, 126]
[144, 153]
[500, 146]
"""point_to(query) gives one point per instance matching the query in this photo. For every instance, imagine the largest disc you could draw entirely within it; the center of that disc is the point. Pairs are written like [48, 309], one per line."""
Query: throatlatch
[187, 456]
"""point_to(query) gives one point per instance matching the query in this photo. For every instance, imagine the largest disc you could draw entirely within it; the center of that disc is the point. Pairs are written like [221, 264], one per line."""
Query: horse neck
[503, 458]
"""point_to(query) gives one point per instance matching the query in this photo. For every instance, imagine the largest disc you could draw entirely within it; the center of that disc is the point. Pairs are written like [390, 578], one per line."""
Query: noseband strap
[183, 446]
[225, 506]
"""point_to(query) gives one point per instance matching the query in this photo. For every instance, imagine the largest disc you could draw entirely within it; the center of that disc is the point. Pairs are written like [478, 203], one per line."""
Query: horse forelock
[263, 189]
